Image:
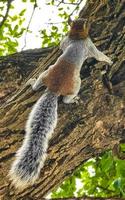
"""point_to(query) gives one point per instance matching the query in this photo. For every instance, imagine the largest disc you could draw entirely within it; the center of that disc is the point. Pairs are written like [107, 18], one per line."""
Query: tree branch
[68, 3]
[77, 6]
[6, 14]
[25, 37]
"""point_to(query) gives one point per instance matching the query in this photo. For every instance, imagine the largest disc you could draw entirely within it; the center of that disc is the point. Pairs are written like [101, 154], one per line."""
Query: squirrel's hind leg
[73, 98]
[70, 99]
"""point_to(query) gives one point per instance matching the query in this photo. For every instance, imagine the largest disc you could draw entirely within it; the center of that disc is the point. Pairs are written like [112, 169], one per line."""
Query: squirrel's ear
[70, 21]
[85, 24]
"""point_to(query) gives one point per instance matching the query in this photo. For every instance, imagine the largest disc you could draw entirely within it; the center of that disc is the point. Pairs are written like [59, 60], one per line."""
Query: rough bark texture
[83, 131]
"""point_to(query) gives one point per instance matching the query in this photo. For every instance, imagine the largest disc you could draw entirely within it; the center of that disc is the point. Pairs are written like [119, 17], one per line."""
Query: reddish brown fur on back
[60, 77]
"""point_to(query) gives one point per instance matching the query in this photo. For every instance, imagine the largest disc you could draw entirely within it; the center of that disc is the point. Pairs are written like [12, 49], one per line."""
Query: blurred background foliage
[103, 176]
[13, 26]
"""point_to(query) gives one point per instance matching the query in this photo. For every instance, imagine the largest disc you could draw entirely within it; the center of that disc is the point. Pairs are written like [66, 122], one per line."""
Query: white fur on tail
[31, 156]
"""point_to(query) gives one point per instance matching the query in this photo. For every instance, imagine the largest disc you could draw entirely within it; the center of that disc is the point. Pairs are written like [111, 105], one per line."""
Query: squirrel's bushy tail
[31, 156]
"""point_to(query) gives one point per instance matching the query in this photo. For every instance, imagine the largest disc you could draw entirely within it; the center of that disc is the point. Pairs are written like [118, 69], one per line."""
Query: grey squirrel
[62, 78]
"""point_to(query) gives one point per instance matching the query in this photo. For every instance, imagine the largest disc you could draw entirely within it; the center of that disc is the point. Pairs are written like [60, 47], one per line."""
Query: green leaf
[120, 169]
[11, 6]
[52, 2]
[14, 18]
[15, 28]
[1, 8]
[22, 12]
[61, 8]
[107, 163]
[55, 28]
[122, 147]
[117, 183]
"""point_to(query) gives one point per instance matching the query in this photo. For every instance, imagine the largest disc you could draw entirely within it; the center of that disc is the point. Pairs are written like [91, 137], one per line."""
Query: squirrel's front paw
[109, 61]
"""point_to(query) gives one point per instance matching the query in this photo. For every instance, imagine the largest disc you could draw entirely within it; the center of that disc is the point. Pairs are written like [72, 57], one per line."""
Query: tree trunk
[83, 131]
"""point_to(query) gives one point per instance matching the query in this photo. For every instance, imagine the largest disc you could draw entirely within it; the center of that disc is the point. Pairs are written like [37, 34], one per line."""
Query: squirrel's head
[79, 28]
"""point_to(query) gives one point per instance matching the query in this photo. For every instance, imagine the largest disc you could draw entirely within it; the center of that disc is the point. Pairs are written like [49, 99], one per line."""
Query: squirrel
[62, 78]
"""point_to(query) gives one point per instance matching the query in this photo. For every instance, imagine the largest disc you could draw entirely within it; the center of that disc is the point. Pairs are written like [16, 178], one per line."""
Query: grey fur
[77, 51]
[31, 156]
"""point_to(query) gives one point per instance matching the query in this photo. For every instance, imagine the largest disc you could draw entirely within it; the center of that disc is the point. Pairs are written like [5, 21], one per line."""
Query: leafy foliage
[55, 31]
[100, 177]
[13, 27]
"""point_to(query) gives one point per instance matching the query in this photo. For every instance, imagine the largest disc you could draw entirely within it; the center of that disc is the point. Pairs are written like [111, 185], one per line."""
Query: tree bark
[83, 131]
